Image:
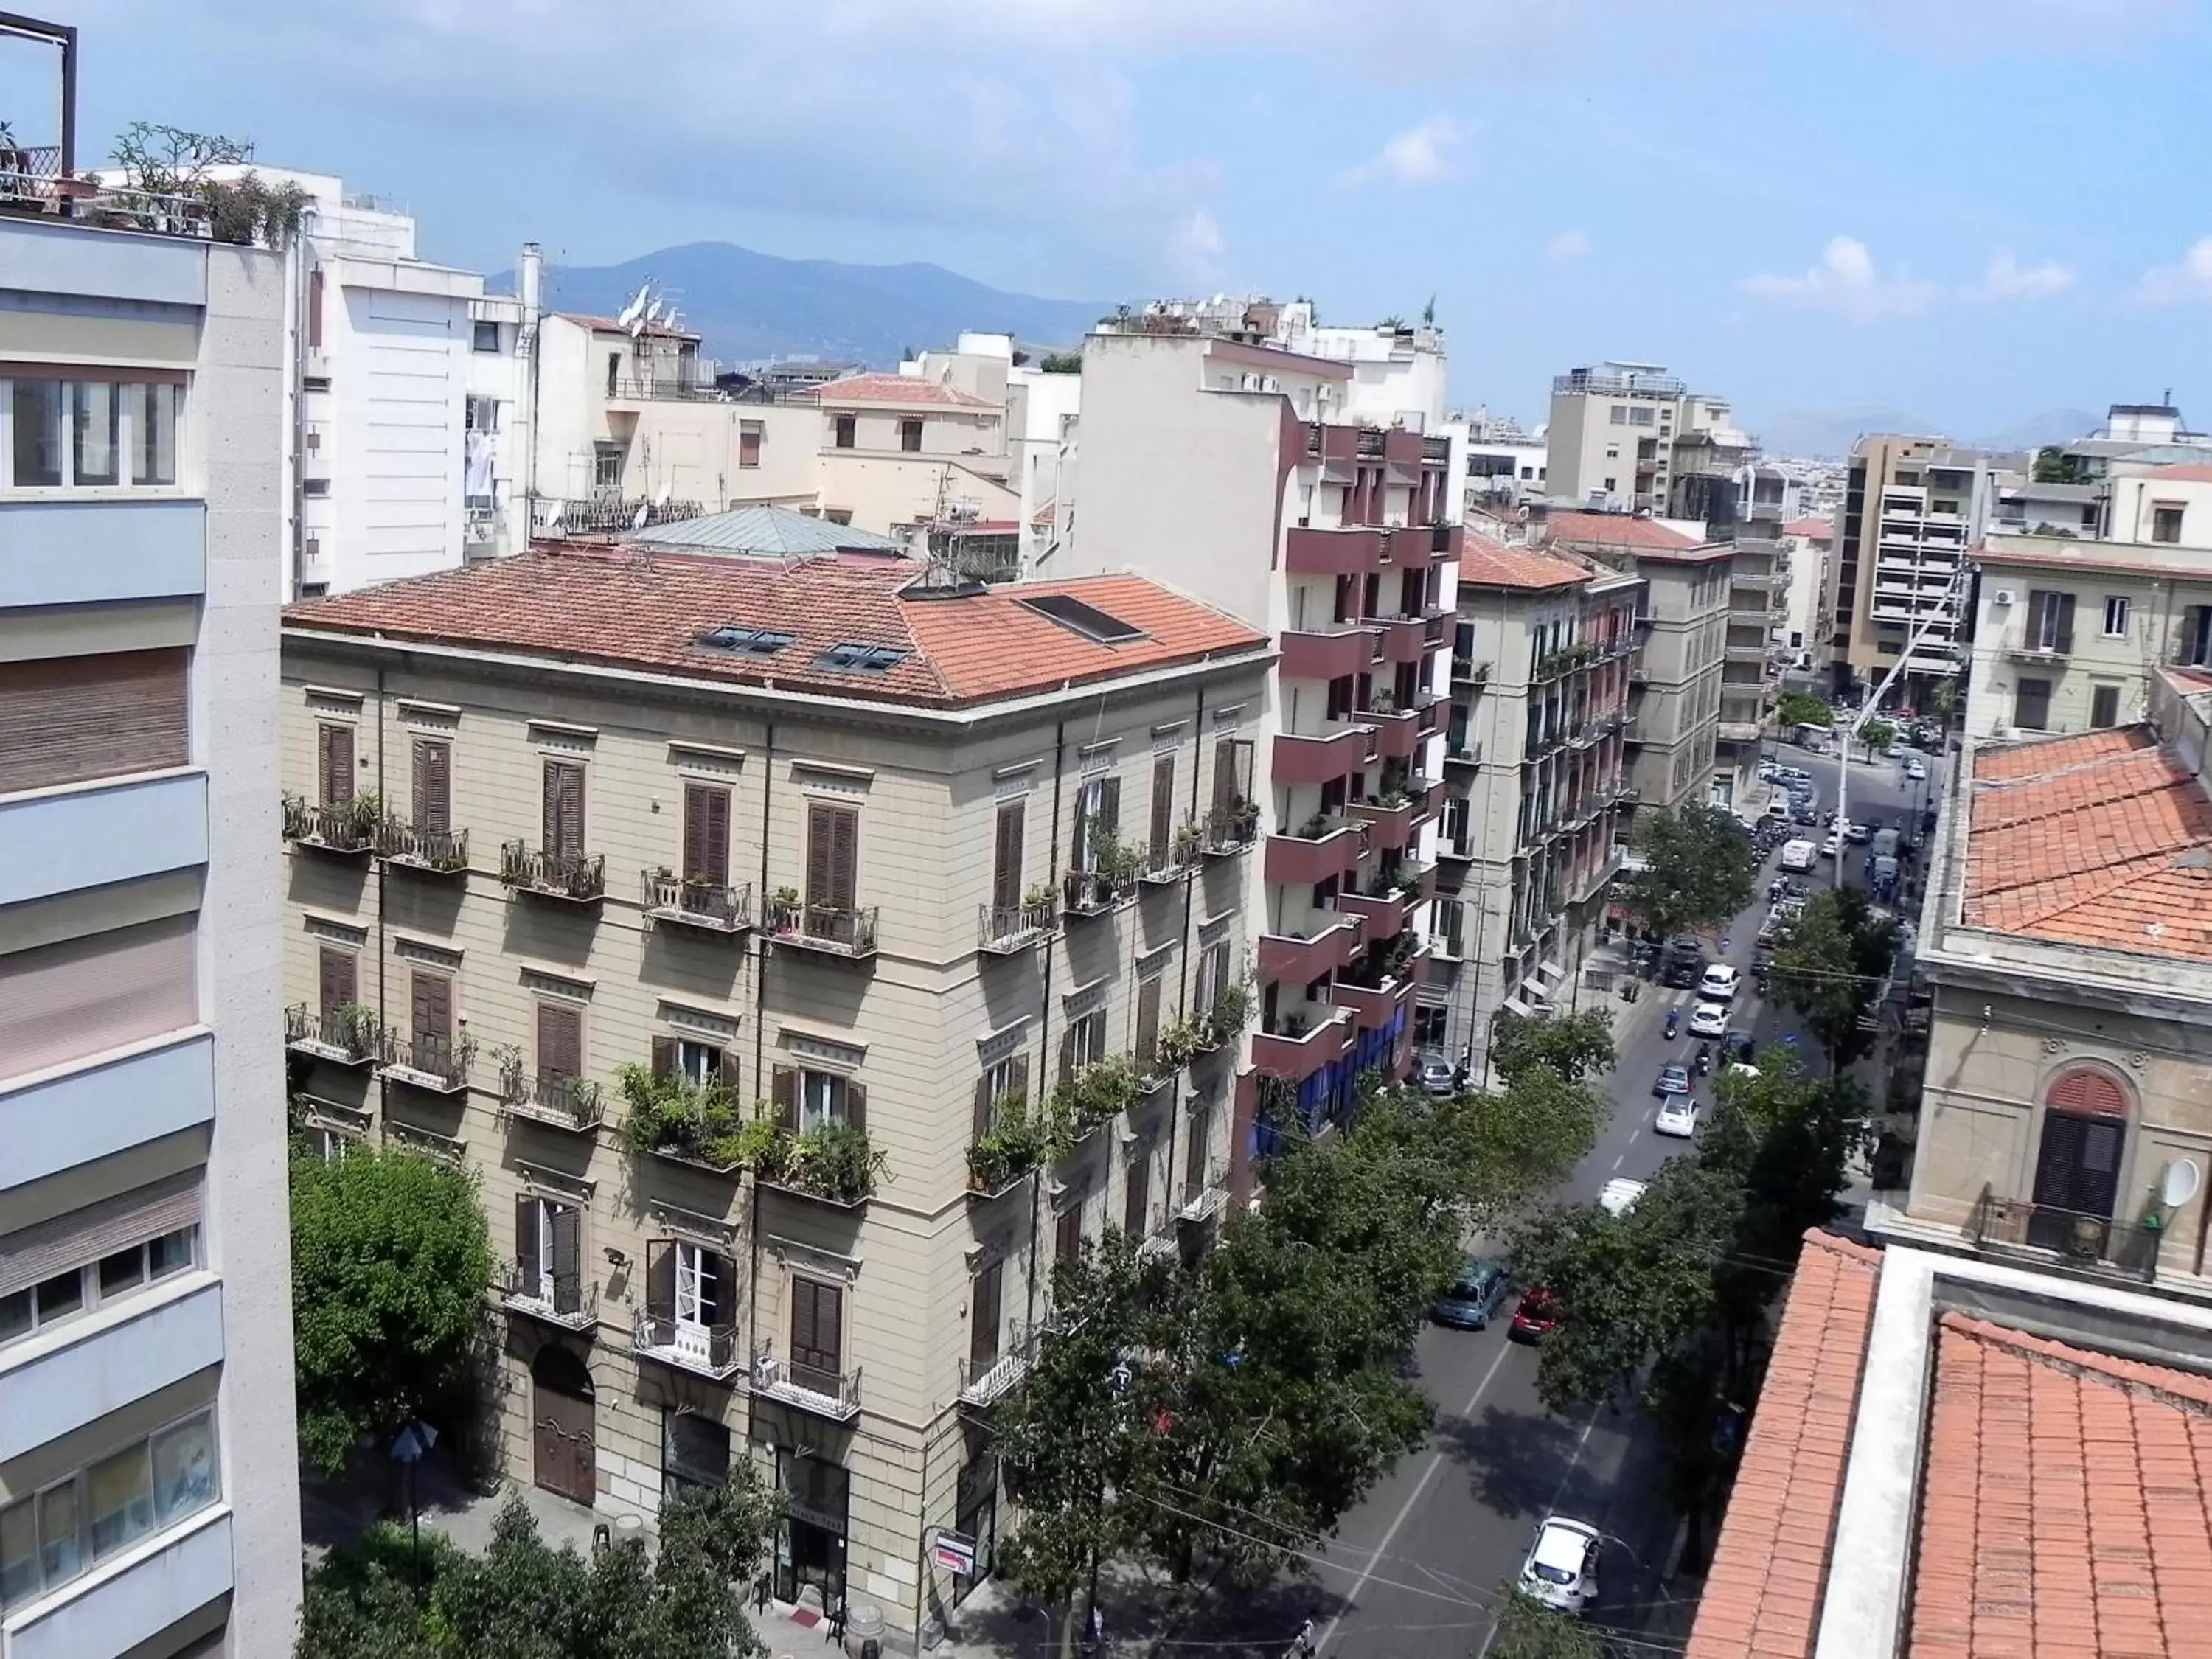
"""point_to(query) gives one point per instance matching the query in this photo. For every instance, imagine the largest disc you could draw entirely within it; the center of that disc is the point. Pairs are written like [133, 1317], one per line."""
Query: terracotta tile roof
[614, 326]
[1616, 530]
[2063, 1503]
[603, 607]
[2174, 472]
[878, 388]
[1762, 1593]
[1815, 529]
[2103, 840]
[1487, 563]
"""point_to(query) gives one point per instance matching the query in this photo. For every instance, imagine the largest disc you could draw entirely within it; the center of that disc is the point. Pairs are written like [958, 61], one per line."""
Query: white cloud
[1568, 247]
[2008, 279]
[1846, 281]
[1425, 155]
[2164, 285]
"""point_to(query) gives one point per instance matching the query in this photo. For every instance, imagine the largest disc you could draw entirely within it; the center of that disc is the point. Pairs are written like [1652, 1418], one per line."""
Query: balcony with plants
[1301, 1039]
[559, 1100]
[1018, 1141]
[436, 1064]
[1554, 664]
[1167, 864]
[1106, 877]
[1091, 1097]
[1006, 930]
[1303, 954]
[702, 1125]
[1465, 670]
[346, 830]
[1230, 829]
[348, 1035]
[1386, 902]
[552, 873]
[1323, 846]
[1380, 985]
[695, 901]
[841, 931]
[1389, 816]
[1208, 1030]
[430, 852]
[1325, 757]
[832, 1163]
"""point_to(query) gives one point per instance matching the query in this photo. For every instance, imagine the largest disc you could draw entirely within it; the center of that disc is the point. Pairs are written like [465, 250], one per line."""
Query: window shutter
[1067, 1234]
[560, 1039]
[725, 1068]
[1194, 1156]
[1067, 1052]
[334, 755]
[433, 787]
[706, 834]
[1137, 1194]
[340, 977]
[829, 1327]
[856, 1106]
[783, 1095]
[1163, 807]
[984, 1103]
[567, 1264]
[1109, 807]
[1017, 1076]
[802, 1321]
[1148, 1020]
[433, 997]
[40, 1252]
[549, 838]
[69, 718]
[1007, 858]
[2087, 1090]
[660, 1280]
[1079, 848]
[2065, 624]
[844, 880]
[983, 1299]
[832, 848]
[1224, 776]
[525, 1242]
[663, 1056]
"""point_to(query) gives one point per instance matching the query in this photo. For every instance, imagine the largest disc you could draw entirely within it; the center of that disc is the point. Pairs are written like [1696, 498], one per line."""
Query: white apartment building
[1912, 507]
[149, 1502]
[1812, 543]
[1503, 466]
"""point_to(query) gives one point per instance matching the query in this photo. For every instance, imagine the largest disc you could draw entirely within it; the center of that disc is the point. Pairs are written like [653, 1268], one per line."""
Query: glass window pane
[60, 1296]
[15, 1315]
[183, 1469]
[95, 430]
[121, 1505]
[38, 425]
[172, 1253]
[18, 1555]
[153, 433]
[121, 1271]
[61, 1536]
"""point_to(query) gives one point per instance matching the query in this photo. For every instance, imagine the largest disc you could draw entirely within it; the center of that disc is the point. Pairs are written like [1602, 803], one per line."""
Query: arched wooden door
[562, 1451]
[2077, 1166]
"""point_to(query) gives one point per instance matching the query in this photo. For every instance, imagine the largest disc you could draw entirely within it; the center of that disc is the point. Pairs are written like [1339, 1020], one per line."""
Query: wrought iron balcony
[567, 1300]
[832, 1394]
[1092, 892]
[345, 1036]
[986, 1381]
[346, 830]
[557, 1099]
[438, 1064]
[438, 853]
[578, 877]
[1231, 831]
[690, 902]
[831, 929]
[709, 1350]
[1006, 930]
[2126, 1249]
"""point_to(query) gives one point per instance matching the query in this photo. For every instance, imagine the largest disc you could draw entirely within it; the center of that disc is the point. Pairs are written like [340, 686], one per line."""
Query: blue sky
[1973, 210]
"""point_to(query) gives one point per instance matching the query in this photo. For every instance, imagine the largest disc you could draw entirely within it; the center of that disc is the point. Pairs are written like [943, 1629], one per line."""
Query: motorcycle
[1674, 1023]
[1702, 1062]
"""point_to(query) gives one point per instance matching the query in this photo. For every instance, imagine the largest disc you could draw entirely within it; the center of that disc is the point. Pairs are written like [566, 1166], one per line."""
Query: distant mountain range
[1815, 432]
[749, 306]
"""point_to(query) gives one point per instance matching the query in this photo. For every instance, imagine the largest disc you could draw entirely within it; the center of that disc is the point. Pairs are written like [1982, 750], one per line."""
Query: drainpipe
[383, 874]
[1044, 1018]
[760, 1005]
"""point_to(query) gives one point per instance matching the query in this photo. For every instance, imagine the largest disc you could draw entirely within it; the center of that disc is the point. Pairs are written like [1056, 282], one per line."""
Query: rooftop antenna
[630, 313]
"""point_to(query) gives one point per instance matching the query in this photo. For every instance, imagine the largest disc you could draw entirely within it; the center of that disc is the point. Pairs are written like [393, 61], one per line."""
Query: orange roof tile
[2063, 1503]
[1487, 563]
[603, 607]
[1812, 529]
[1646, 539]
[2102, 840]
[896, 389]
[2174, 472]
[1763, 1592]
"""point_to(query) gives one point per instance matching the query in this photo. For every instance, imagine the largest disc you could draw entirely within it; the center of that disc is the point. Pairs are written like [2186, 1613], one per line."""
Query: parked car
[1833, 845]
[1561, 1571]
[1916, 769]
[1677, 1116]
[1801, 812]
[1474, 1298]
[1719, 983]
[1709, 1019]
[1536, 1318]
[1672, 1080]
[1439, 1079]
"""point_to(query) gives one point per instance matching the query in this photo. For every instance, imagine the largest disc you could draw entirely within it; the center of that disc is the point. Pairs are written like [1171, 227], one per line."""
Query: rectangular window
[2165, 521]
[706, 834]
[1162, 825]
[911, 437]
[1067, 1234]
[563, 813]
[1621, 415]
[821, 1100]
[1147, 1046]
[2116, 616]
[119, 1499]
[841, 431]
[2104, 706]
[750, 435]
[433, 761]
[985, 1292]
[2050, 622]
[153, 411]
[96, 432]
[549, 1251]
[483, 337]
[833, 836]
[817, 1334]
[1085, 1042]
[337, 979]
[702, 1288]
[35, 416]
[694, 1453]
[49, 1538]
[69, 720]
[1137, 1193]
[607, 460]
[2031, 705]
[560, 1039]
[430, 1006]
[333, 764]
[1006, 855]
[699, 1063]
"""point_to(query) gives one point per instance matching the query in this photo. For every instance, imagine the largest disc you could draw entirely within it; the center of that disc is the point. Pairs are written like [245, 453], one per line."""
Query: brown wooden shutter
[334, 763]
[526, 1242]
[660, 1280]
[1067, 1052]
[1109, 807]
[560, 1039]
[717, 1280]
[783, 1095]
[1224, 776]
[564, 807]
[663, 1056]
[1138, 1194]
[833, 835]
[2066, 624]
[1079, 846]
[1194, 1157]
[568, 1259]
[339, 977]
[984, 1294]
[1007, 858]
[1148, 1020]
[1017, 1076]
[433, 786]
[985, 1102]
[2087, 1090]
[64, 720]
[432, 999]
[706, 834]
[1067, 1234]
[856, 1106]
[1162, 806]
[818, 1320]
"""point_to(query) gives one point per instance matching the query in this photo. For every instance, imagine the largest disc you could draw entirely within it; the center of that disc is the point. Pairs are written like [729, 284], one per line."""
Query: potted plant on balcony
[672, 1116]
[363, 813]
[1229, 1011]
[1190, 840]
[1037, 898]
[835, 1161]
[1096, 1094]
[787, 912]
[352, 1027]
[1407, 885]
[1013, 1145]
[1182, 1040]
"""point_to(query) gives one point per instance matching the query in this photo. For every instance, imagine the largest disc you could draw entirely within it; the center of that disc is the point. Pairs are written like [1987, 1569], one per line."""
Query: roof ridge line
[2082, 1364]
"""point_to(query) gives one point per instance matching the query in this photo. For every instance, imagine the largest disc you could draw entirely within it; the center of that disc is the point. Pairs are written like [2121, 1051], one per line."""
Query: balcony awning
[1513, 1006]
[1550, 972]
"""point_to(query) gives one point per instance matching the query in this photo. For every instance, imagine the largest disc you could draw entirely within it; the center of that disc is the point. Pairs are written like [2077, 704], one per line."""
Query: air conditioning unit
[2003, 596]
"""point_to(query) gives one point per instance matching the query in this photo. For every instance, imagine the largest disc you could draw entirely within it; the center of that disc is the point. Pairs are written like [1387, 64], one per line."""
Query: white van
[1799, 856]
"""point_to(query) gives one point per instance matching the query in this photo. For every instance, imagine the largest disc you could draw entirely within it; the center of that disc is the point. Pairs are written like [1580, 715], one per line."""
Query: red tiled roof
[1617, 530]
[1815, 529]
[2063, 1503]
[614, 326]
[2103, 840]
[896, 389]
[2174, 472]
[1762, 1593]
[602, 607]
[1485, 563]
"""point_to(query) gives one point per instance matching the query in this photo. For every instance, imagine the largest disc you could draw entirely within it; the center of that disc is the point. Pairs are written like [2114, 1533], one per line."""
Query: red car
[1536, 1318]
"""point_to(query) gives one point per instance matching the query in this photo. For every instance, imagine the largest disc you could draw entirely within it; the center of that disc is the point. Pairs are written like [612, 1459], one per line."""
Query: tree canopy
[1877, 735]
[1697, 870]
[2054, 465]
[1803, 709]
[1829, 966]
[1574, 1046]
[522, 1599]
[390, 1258]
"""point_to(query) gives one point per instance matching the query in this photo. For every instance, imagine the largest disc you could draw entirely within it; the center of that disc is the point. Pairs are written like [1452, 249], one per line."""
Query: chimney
[530, 281]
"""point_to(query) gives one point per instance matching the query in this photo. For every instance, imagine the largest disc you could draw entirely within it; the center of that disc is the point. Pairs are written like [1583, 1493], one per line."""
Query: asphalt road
[1418, 1567]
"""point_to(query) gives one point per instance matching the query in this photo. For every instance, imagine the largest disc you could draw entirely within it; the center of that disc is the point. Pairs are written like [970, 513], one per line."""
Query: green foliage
[1698, 870]
[522, 1599]
[2054, 465]
[166, 185]
[701, 1121]
[1096, 1094]
[1830, 967]
[390, 1258]
[1877, 735]
[1574, 1046]
[836, 1161]
[1529, 1630]
[1061, 363]
[1015, 1144]
[1803, 709]
[1521, 1141]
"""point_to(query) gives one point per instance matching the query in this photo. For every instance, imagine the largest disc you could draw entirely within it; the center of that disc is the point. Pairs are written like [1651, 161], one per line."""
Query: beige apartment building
[1673, 732]
[2070, 635]
[1758, 571]
[1912, 507]
[1625, 437]
[1535, 780]
[857, 865]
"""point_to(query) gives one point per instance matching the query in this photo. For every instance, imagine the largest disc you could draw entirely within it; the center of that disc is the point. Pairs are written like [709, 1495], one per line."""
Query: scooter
[1702, 1062]
[1674, 1023]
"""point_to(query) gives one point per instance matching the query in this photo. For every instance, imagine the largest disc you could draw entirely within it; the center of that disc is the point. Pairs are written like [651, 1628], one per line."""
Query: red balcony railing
[1289, 961]
[1327, 654]
[1321, 759]
[1293, 1059]
[1303, 860]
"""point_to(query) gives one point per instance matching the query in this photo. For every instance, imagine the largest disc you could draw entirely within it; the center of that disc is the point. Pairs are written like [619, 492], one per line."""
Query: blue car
[1474, 1297]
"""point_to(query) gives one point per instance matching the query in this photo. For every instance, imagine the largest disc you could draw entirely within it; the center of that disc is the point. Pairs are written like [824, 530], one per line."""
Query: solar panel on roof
[1087, 619]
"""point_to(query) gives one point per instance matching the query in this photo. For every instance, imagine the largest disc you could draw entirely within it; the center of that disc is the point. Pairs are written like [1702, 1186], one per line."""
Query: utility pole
[1943, 607]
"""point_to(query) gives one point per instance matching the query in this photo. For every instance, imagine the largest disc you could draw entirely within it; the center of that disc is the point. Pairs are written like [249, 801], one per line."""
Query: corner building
[827, 833]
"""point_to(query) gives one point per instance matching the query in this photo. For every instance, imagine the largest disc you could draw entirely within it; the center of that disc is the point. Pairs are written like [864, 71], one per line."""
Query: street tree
[1517, 1142]
[1877, 736]
[1574, 1046]
[1830, 967]
[1802, 708]
[390, 1258]
[1526, 1629]
[1697, 870]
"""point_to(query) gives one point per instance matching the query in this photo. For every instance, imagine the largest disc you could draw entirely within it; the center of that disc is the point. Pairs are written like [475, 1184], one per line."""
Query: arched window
[2085, 1126]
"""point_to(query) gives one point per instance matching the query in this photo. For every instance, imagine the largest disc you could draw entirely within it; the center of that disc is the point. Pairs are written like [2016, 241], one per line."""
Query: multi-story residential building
[1759, 573]
[1631, 437]
[1502, 465]
[1811, 545]
[1215, 463]
[2069, 636]
[1912, 507]
[1675, 679]
[1533, 780]
[910, 453]
[149, 1486]
[588, 849]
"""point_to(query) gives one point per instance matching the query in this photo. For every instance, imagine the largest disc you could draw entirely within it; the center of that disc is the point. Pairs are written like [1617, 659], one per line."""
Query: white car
[1561, 1571]
[1916, 769]
[1833, 845]
[1621, 1194]
[1719, 983]
[1677, 1116]
[1709, 1019]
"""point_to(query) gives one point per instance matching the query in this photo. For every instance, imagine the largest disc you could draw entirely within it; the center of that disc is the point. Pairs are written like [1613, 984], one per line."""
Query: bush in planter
[1038, 896]
[1230, 1010]
[352, 1025]
[1181, 1042]
[834, 1161]
[1015, 1144]
[675, 1115]
[1102, 1089]
[364, 812]
[1113, 860]
[1188, 842]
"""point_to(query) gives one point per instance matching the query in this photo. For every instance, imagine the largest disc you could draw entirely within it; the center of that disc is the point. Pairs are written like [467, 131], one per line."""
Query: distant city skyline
[1822, 207]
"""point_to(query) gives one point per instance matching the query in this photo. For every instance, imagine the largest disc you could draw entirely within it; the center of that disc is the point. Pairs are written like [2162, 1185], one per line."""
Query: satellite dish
[635, 309]
[2179, 1183]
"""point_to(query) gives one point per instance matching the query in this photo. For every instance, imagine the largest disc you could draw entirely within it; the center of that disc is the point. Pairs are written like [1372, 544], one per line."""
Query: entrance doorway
[561, 1455]
[976, 1517]
[809, 1541]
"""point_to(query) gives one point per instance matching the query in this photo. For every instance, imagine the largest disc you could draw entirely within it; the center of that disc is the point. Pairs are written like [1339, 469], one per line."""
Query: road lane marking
[1436, 1462]
[1632, 1133]
[1618, 1162]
